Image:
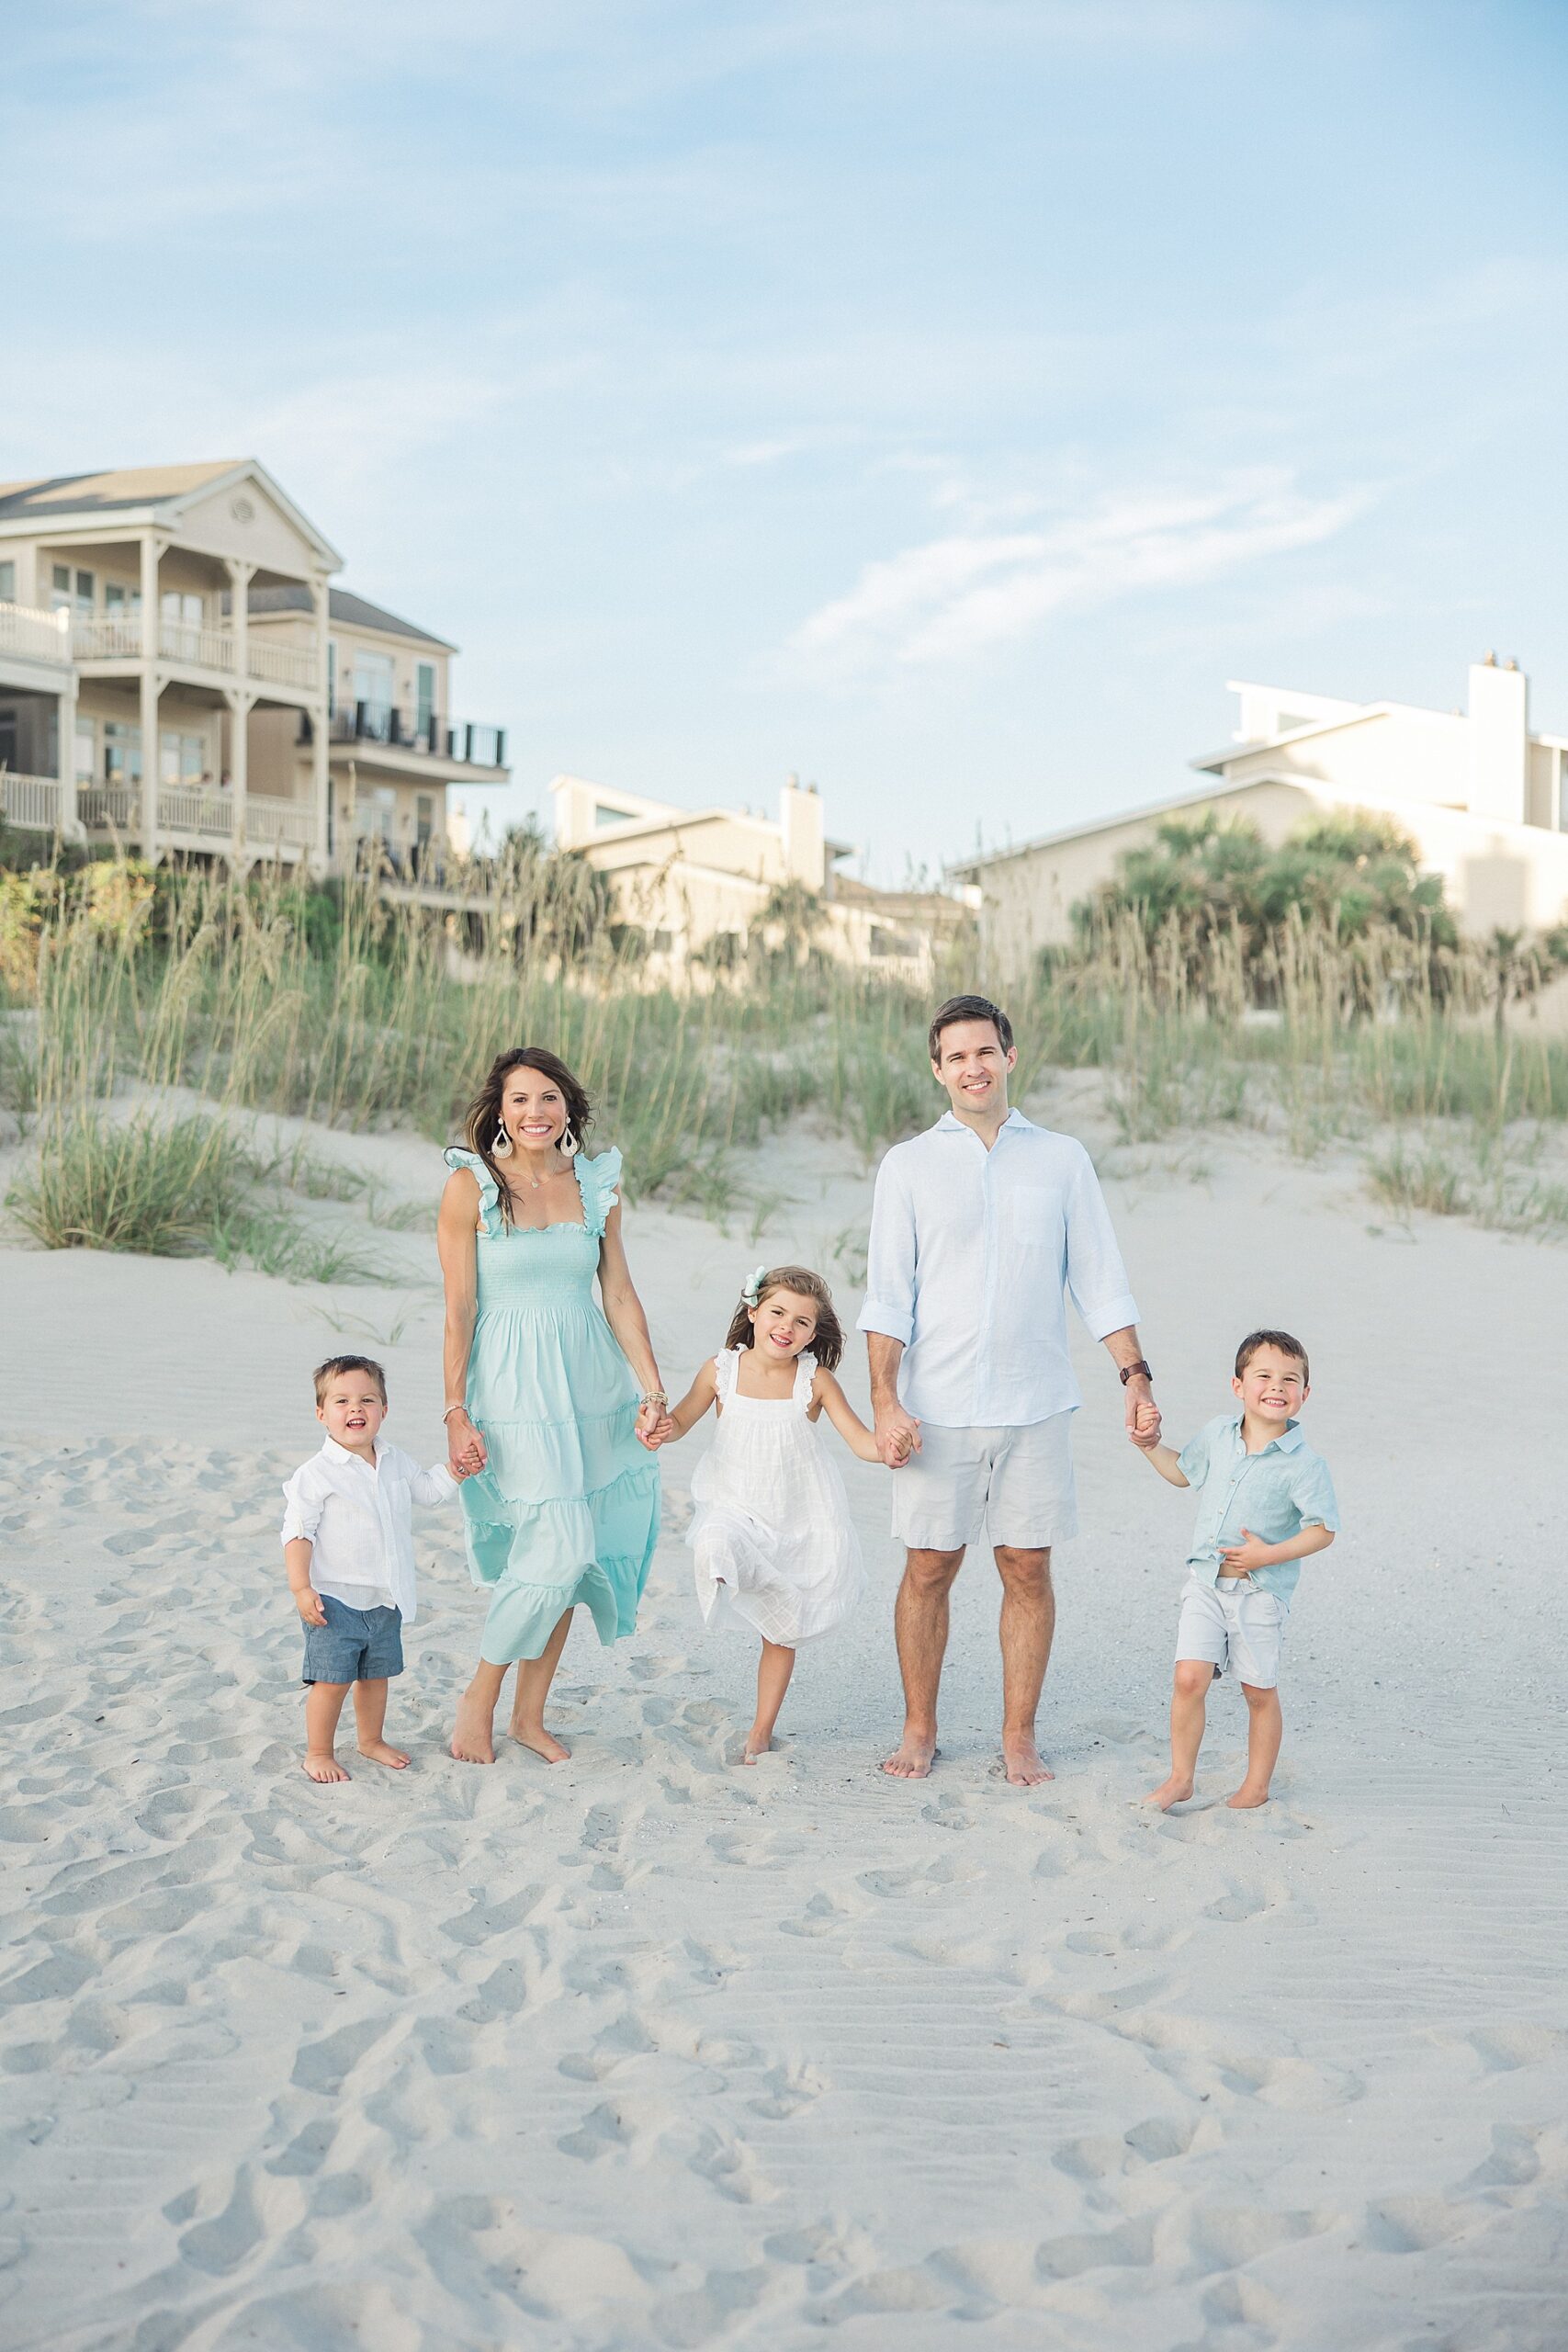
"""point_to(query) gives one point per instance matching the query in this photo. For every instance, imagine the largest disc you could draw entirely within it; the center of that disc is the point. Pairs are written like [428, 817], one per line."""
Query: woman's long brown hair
[483, 1116]
[827, 1342]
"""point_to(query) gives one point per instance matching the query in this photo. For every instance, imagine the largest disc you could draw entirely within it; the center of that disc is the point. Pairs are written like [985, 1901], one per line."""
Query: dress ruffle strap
[599, 1181]
[489, 1193]
[726, 1366]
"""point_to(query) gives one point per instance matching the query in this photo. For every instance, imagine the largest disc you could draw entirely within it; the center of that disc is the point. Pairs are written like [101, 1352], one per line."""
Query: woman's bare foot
[1026, 1767]
[542, 1743]
[1175, 1791]
[323, 1767]
[757, 1743]
[1246, 1798]
[380, 1753]
[913, 1757]
[472, 1738]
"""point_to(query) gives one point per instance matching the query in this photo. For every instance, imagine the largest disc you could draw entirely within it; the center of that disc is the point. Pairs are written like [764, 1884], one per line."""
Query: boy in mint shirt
[1265, 1502]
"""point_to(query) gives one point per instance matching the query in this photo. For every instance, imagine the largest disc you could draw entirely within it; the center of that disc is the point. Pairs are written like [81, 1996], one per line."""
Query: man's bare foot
[912, 1758]
[535, 1737]
[380, 1753]
[1026, 1767]
[323, 1767]
[472, 1740]
[1247, 1799]
[1175, 1791]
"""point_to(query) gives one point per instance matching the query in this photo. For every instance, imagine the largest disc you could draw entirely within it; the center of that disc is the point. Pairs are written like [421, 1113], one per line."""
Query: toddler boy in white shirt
[348, 1549]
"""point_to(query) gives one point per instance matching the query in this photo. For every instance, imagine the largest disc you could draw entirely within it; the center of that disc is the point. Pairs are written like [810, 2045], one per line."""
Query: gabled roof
[353, 612]
[963, 868]
[161, 491]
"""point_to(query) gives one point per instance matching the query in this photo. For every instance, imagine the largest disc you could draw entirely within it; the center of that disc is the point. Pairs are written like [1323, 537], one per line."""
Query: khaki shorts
[1014, 1484]
[1234, 1625]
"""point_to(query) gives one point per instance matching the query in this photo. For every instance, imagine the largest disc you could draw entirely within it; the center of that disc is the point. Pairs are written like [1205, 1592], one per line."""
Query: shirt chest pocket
[1032, 1222]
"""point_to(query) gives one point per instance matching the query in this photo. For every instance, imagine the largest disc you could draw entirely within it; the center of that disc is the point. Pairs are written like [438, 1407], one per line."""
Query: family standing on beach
[556, 1415]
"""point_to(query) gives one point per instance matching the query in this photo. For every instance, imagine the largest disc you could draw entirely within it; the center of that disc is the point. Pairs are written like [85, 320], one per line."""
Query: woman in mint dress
[550, 1399]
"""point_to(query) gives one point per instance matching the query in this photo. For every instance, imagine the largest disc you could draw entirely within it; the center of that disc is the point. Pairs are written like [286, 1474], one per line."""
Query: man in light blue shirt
[979, 1228]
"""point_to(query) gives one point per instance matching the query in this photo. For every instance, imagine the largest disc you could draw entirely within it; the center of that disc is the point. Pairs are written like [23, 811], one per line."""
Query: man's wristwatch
[1128, 1371]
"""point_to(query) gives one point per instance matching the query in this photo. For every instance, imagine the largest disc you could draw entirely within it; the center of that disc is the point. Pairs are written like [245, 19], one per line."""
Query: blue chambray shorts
[354, 1645]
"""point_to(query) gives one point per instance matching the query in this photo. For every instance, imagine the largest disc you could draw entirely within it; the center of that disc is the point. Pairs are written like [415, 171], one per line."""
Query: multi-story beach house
[178, 674]
[699, 886]
[1483, 796]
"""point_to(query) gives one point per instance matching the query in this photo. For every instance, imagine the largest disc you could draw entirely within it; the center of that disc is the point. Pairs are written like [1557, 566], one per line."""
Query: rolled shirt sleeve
[434, 1486]
[303, 1505]
[890, 1258]
[1096, 1275]
[1312, 1491]
[1194, 1459]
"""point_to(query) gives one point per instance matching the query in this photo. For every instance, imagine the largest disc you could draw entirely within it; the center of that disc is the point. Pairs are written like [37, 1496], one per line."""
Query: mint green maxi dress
[566, 1509]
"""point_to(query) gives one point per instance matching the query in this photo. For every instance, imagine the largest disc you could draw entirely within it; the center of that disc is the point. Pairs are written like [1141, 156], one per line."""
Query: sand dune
[648, 2052]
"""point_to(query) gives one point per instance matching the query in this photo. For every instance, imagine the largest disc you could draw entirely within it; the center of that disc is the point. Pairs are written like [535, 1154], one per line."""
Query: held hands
[1240, 1559]
[1143, 1425]
[465, 1448]
[655, 1424]
[897, 1436]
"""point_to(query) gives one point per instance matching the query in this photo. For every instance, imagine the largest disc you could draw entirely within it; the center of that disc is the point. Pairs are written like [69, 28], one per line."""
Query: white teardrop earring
[502, 1148]
[569, 1142]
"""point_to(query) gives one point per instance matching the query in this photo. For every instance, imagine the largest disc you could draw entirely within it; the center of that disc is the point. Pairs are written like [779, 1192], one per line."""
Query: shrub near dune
[138, 1183]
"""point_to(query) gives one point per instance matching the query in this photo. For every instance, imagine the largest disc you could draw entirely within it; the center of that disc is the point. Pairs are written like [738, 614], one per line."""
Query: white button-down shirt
[359, 1522]
[971, 1254]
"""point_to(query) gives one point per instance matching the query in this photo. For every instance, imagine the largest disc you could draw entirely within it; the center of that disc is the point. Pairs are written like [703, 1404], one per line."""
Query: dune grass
[390, 1017]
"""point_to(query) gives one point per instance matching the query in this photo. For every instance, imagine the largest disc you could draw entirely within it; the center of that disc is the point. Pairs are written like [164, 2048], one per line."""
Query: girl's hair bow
[751, 1289]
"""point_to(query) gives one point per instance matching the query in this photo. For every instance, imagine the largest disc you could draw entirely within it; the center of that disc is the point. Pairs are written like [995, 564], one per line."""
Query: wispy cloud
[961, 594]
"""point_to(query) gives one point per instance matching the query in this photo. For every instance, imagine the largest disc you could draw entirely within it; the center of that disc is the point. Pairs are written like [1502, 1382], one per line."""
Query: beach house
[697, 888]
[1485, 799]
[178, 674]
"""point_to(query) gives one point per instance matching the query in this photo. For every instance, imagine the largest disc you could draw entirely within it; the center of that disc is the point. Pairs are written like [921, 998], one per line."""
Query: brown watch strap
[1129, 1370]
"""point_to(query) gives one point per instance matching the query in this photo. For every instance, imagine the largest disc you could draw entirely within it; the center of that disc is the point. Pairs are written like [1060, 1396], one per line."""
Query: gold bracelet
[653, 1396]
[451, 1410]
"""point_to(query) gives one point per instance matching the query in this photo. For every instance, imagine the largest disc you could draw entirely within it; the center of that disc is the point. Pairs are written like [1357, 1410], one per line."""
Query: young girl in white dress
[772, 1544]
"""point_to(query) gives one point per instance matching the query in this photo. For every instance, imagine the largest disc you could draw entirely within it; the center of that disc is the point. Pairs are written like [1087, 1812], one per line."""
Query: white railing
[109, 807]
[186, 808]
[268, 819]
[285, 665]
[34, 802]
[118, 638]
[44, 637]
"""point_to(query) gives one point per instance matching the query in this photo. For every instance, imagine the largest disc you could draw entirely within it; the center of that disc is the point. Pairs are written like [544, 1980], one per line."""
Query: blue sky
[938, 398]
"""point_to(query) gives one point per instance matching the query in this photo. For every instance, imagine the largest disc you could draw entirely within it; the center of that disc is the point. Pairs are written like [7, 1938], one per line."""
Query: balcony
[193, 811]
[35, 635]
[35, 803]
[116, 637]
[419, 733]
[279, 822]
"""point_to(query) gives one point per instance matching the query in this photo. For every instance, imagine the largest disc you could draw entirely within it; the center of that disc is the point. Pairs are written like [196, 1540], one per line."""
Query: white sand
[650, 2052]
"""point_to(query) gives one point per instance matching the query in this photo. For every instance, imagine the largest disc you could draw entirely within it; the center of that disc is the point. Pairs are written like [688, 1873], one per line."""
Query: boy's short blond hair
[336, 1366]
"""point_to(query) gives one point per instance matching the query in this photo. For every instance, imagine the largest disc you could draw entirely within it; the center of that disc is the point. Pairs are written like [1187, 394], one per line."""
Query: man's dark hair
[1280, 1340]
[970, 1008]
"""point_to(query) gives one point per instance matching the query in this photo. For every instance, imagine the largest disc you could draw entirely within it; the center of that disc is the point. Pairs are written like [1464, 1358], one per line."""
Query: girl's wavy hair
[827, 1345]
[483, 1116]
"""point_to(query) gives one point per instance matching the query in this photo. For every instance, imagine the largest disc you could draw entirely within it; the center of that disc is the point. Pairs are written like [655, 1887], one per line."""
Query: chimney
[1498, 741]
[800, 823]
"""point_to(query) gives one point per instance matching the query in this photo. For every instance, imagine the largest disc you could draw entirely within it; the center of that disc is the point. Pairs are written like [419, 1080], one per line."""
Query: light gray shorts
[1234, 1625]
[1014, 1484]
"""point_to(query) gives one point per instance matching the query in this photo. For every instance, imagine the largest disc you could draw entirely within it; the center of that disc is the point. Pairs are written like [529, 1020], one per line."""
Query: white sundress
[772, 1544]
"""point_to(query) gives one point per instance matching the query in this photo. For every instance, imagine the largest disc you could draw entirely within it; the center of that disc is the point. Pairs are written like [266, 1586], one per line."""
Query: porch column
[239, 703]
[65, 759]
[321, 721]
[151, 548]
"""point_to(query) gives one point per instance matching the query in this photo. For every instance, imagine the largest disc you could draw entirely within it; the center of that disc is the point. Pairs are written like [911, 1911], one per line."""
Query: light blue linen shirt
[1274, 1493]
[971, 1254]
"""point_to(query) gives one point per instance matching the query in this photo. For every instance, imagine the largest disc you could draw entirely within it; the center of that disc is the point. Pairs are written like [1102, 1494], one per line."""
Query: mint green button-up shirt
[1275, 1493]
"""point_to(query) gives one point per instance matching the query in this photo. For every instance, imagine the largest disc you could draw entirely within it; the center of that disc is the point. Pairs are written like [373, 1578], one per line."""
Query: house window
[373, 682]
[7, 583]
[424, 696]
[662, 942]
[425, 817]
[86, 767]
[72, 590]
[181, 609]
[122, 753]
[602, 816]
[86, 585]
[121, 603]
[60, 587]
[182, 758]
